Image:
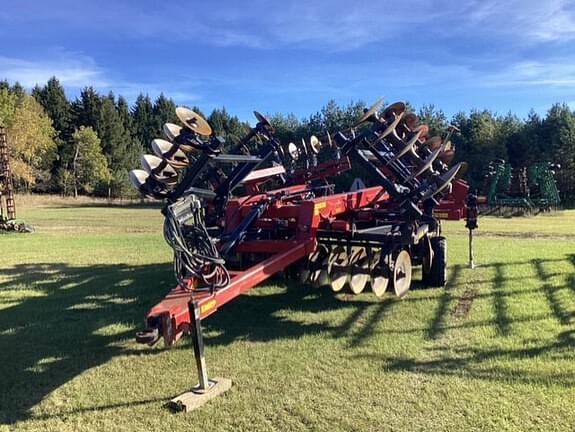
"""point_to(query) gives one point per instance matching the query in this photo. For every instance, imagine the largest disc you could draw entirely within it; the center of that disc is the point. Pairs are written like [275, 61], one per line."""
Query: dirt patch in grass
[463, 306]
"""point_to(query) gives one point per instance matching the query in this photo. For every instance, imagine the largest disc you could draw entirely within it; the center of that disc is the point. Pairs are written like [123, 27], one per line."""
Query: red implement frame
[172, 315]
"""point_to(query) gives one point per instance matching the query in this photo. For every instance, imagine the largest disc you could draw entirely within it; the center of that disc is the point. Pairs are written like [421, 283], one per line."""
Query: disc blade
[411, 120]
[138, 177]
[395, 108]
[171, 131]
[447, 156]
[293, 151]
[408, 147]
[426, 164]
[193, 121]
[370, 112]
[159, 169]
[315, 264]
[261, 119]
[329, 141]
[390, 128]
[304, 147]
[359, 272]
[462, 171]
[380, 275]
[433, 143]
[443, 182]
[323, 278]
[424, 131]
[338, 271]
[170, 152]
[402, 274]
[147, 186]
[314, 144]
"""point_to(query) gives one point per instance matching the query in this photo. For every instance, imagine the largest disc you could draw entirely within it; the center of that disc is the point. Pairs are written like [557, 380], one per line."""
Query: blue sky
[293, 56]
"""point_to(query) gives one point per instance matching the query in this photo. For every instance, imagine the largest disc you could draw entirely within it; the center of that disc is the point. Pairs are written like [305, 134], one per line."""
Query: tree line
[89, 144]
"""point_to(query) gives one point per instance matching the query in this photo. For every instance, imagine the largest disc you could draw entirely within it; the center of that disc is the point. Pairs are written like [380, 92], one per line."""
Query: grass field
[492, 351]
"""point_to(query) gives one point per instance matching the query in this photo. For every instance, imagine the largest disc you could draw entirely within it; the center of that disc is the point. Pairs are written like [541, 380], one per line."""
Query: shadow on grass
[58, 321]
[437, 326]
[477, 363]
[70, 319]
[64, 321]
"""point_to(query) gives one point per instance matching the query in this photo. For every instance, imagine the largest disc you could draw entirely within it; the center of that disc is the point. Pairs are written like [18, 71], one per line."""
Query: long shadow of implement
[54, 332]
[481, 363]
[478, 363]
[437, 327]
[59, 329]
[551, 293]
[56, 329]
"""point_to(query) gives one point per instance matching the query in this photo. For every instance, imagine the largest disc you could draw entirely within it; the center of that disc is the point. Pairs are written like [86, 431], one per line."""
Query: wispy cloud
[320, 24]
[534, 74]
[76, 71]
[71, 69]
[528, 21]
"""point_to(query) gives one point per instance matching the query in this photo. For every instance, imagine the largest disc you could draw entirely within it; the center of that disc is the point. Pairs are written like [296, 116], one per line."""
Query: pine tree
[558, 132]
[164, 111]
[434, 118]
[124, 112]
[87, 108]
[117, 145]
[143, 120]
[53, 98]
[228, 127]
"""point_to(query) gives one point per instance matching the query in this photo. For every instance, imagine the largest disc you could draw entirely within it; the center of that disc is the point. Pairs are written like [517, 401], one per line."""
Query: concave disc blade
[370, 112]
[338, 269]
[171, 153]
[402, 274]
[411, 120]
[193, 121]
[447, 156]
[316, 263]
[379, 275]
[462, 171]
[359, 271]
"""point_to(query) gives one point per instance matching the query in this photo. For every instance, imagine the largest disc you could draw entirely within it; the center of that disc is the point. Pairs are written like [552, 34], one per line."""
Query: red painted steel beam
[172, 313]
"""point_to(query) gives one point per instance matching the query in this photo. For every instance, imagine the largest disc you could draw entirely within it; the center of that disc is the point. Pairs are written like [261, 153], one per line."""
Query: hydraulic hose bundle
[196, 257]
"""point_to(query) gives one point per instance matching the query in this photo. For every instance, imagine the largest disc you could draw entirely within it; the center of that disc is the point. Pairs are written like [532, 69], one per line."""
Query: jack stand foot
[196, 398]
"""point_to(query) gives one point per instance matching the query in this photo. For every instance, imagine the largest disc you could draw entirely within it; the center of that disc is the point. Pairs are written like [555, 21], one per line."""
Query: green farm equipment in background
[525, 190]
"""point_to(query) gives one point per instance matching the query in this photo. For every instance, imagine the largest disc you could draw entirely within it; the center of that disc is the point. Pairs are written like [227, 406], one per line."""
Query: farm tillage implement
[237, 218]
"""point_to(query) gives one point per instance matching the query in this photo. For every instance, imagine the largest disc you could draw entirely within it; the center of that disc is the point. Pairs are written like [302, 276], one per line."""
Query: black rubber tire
[436, 276]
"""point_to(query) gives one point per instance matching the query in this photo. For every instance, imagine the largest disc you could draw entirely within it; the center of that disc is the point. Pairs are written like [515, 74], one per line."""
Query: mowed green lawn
[492, 351]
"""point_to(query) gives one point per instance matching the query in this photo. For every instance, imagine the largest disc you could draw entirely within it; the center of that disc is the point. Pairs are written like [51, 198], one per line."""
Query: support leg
[471, 259]
[198, 343]
[206, 389]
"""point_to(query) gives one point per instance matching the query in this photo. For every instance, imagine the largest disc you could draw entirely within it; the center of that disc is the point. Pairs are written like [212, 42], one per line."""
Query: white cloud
[319, 24]
[559, 74]
[76, 71]
[72, 70]
[528, 21]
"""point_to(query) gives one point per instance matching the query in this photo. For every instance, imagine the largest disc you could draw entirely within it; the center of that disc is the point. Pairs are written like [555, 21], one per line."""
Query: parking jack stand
[471, 223]
[207, 389]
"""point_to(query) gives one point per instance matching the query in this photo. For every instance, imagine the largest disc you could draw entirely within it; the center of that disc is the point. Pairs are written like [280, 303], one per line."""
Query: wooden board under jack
[194, 399]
